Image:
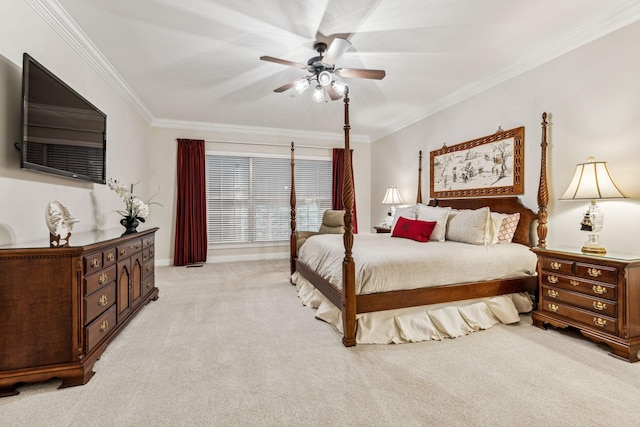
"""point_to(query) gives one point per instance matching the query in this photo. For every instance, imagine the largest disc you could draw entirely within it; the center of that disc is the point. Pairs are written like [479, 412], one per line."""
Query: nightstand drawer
[129, 249]
[596, 305]
[557, 265]
[596, 289]
[597, 272]
[587, 318]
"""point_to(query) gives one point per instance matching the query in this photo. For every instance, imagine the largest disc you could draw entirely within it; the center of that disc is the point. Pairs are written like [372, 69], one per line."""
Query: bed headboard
[509, 205]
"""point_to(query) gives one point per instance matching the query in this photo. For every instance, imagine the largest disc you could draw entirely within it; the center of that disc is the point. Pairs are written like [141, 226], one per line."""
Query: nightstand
[598, 295]
[381, 230]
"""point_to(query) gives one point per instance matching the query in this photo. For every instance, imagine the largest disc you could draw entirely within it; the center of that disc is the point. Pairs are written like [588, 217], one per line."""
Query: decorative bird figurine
[60, 223]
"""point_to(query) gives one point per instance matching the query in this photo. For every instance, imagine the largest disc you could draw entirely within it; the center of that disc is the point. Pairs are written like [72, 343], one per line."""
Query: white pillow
[494, 229]
[439, 215]
[406, 212]
[468, 225]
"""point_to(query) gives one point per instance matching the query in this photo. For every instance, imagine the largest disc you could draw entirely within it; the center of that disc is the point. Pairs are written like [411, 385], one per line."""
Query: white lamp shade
[301, 85]
[392, 197]
[592, 181]
[340, 87]
[318, 94]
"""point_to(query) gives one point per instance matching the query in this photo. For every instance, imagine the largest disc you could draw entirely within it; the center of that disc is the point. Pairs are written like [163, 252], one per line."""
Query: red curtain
[338, 182]
[191, 209]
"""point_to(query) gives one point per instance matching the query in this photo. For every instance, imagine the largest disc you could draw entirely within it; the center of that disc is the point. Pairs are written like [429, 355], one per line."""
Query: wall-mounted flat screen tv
[62, 133]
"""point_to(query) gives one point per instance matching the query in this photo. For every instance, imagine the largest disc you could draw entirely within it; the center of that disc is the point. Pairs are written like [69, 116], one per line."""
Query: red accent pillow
[413, 229]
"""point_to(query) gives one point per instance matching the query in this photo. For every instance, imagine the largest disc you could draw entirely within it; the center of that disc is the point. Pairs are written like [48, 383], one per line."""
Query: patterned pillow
[413, 229]
[508, 228]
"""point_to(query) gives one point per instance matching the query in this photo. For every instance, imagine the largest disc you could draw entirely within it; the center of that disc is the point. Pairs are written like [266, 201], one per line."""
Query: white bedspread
[384, 263]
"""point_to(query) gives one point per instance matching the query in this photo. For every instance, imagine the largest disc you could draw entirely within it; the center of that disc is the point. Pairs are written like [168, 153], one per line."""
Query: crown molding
[65, 26]
[256, 131]
[543, 53]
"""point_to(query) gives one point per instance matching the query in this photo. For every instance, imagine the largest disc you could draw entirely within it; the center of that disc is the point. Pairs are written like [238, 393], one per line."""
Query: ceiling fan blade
[362, 73]
[333, 94]
[283, 62]
[284, 87]
[336, 50]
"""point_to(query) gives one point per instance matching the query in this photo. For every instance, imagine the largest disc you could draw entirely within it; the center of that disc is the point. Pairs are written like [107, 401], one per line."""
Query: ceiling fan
[322, 70]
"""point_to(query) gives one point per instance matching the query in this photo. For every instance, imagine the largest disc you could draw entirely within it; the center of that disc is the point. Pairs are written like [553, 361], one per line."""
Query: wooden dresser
[598, 295]
[61, 307]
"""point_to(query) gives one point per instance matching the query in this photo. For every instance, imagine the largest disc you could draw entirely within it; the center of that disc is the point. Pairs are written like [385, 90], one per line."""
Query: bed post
[348, 265]
[293, 248]
[543, 192]
[419, 196]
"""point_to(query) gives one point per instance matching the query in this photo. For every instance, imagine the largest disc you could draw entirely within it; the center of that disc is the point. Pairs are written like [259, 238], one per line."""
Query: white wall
[592, 97]
[164, 157]
[24, 194]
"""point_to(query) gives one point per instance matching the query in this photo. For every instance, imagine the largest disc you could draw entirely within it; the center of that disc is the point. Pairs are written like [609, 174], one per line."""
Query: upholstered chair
[332, 223]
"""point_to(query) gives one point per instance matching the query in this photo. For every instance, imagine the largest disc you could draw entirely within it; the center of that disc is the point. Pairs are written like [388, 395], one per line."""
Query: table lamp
[592, 181]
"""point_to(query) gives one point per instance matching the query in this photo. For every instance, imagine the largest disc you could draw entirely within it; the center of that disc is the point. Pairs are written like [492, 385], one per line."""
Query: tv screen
[62, 133]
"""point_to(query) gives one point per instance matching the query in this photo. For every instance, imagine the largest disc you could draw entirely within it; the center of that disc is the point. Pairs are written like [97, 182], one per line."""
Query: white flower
[134, 206]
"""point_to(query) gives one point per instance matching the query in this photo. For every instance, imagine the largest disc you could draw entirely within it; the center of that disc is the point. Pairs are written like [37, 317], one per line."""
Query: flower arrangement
[135, 207]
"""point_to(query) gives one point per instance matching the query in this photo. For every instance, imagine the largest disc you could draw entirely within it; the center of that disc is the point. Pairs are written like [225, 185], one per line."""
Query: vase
[130, 225]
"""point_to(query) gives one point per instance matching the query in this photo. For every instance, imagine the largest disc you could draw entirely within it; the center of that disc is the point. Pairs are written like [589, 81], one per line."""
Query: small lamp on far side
[391, 197]
[592, 181]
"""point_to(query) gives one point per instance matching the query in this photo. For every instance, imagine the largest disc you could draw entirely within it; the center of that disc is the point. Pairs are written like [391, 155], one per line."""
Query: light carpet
[231, 345]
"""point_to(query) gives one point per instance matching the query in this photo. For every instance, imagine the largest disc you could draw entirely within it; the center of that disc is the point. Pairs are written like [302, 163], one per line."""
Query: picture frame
[492, 165]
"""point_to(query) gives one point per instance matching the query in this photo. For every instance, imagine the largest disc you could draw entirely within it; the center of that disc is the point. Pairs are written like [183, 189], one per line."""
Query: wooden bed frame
[352, 304]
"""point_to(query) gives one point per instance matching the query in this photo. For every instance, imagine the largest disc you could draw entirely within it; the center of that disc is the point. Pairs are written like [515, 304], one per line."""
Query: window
[248, 197]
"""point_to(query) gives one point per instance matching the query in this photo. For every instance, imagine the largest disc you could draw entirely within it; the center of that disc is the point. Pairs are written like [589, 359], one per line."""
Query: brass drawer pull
[111, 256]
[599, 289]
[95, 263]
[105, 326]
[552, 293]
[138, 245]
[103, 278]
[552, 279]
[574, 282]
[122, 252]
[599, 306]
[594, 272]
[599, 321]
[552, 307]
[555, 265]
[104, 300]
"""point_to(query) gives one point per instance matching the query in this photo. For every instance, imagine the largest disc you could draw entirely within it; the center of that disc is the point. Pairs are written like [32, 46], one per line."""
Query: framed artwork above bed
[492, 165]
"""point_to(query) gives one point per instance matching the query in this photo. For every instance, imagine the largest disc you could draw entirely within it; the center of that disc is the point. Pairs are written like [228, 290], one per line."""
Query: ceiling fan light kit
[322, 69]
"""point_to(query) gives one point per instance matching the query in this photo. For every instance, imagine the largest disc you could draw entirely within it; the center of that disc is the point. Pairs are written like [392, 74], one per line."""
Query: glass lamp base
[593, 246]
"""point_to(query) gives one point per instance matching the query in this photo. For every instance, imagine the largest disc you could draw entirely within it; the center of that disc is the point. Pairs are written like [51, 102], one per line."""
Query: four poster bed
[380, 298]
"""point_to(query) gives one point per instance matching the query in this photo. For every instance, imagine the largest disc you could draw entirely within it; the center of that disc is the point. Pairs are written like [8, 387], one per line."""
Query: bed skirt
[423, 323]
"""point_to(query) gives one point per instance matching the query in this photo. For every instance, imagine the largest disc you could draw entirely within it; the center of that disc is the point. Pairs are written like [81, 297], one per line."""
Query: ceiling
[195, 63]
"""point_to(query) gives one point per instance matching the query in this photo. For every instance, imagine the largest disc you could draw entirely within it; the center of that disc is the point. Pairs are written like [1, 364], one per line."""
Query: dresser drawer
[598, 306]
[109, 257]
[129, 248]
[597, 272]
[92, 263]
[147, 285]
[576, 284]
[97, 280]
[148, 241]
[557, 265]
[587, 318]
[98, 302]
[97, 330]
[148, 268]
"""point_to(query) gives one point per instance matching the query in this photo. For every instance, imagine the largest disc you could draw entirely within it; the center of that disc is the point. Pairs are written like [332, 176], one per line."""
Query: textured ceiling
[196, 62]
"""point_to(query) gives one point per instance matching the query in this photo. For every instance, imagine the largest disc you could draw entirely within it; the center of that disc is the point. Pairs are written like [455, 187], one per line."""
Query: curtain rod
[271, 144]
